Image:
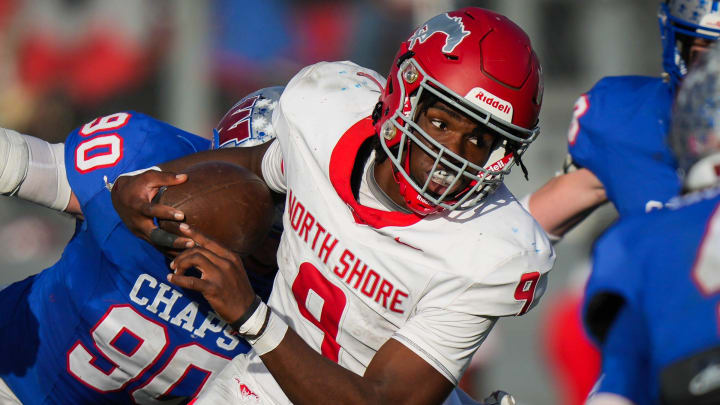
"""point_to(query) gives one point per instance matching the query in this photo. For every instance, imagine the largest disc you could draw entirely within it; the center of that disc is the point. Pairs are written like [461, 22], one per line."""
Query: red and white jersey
[351, 276]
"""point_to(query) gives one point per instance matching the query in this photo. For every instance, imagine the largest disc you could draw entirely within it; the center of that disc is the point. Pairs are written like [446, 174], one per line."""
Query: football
[226, 202]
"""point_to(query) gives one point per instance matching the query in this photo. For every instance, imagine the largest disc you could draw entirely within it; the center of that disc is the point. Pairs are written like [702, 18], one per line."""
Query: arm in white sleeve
[14, 159]
[33, 169]
[272, 168]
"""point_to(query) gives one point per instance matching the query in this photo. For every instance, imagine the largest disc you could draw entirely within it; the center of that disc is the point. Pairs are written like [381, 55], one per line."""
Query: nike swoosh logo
[397, 239]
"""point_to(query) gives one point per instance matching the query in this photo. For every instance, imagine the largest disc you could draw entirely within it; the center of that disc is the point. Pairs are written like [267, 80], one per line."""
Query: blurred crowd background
[65, 62]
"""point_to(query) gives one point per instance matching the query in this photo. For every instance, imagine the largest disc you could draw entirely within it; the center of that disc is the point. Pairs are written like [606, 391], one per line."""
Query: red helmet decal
[249, 121]
[234, 127]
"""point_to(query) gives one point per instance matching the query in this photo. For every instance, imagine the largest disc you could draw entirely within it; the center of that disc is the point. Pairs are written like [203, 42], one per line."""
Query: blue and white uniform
[653, 299]
[618, 132]
[103, 325]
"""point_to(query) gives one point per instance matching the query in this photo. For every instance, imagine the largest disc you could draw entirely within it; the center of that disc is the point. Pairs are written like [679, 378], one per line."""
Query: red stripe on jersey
[342, 162]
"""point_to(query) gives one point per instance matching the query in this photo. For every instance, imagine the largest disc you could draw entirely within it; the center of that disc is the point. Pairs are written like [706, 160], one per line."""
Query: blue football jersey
[653, 301]
[103, 325]
[618, 132]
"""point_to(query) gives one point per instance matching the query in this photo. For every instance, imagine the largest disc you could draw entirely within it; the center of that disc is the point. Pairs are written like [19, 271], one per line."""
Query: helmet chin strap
[416, 206]
[500, 157]
[497, 154]
[413, 200]
[421, 206]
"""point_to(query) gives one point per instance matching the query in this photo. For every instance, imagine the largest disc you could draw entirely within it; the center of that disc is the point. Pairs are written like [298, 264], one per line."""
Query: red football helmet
[483, 65]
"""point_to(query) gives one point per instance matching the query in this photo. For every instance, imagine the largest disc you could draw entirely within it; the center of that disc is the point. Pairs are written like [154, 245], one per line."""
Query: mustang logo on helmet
[452, 27]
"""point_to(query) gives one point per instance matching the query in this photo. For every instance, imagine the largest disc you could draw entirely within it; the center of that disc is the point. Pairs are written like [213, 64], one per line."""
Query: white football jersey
[351, 277]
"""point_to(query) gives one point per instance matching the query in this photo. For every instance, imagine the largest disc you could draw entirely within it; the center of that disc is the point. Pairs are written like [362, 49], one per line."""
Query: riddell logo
[500, 164]
[497, 166]
[491, 103]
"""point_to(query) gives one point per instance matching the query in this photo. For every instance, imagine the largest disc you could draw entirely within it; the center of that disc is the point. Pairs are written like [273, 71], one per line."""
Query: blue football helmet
[681, 21]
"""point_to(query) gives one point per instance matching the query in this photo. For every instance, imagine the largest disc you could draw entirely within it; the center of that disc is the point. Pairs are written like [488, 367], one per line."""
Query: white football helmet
[249, 121]
[695, 134]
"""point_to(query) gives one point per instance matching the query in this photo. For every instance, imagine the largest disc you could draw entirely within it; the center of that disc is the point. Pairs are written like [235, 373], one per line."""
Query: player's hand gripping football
[132, 198]
[223, 283]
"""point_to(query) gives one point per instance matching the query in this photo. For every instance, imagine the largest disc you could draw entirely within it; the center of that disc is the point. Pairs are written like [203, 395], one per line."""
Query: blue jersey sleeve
[618, 132]
[102, 325]
[99, 151]
[624, 358]
[615, 279]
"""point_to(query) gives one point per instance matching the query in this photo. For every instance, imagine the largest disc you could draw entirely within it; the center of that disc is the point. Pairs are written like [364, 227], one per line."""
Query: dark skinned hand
[132, 198]
[223, 283]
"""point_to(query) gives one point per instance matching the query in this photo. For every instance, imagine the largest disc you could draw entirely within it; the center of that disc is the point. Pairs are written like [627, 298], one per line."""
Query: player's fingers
[162, 238]
[208, 243]
[143, 228]
[166, 212]
[202, 259]
[156, 179]
[191, 283]
[173, 228]
[157, 183]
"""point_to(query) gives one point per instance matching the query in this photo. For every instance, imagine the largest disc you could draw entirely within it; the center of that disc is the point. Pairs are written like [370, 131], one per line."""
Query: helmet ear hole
[405, 56]
[683, 43]
[377, 112]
